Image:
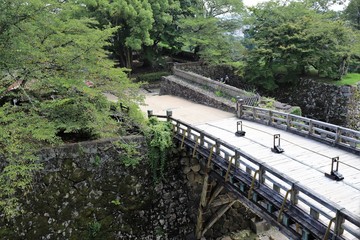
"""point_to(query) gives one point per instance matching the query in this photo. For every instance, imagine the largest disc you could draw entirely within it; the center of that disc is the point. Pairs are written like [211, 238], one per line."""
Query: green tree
[209, 30]
[164, 32]
[49, 55]
[286, 40]
[134, 20]
[352, 13]
[323, 5]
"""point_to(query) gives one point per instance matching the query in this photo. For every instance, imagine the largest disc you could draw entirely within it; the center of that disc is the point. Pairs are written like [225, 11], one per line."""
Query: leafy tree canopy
[323, 5]
[134, 20]
[352, 13]
[53, 70]
[286, 40]
[210, 30]
[144, 26]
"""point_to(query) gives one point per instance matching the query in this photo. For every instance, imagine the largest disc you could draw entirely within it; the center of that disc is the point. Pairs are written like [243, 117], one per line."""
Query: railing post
[294, 194]
[338, 229]
[177, 127]
[188, 131]
[270, 122]
[168, 114]
[202, 136]
[338, 136]
[261, 174]
[237, 158]
[239, 106]
[150, 113]
[217, 149]
[311, 127]
[288, 122]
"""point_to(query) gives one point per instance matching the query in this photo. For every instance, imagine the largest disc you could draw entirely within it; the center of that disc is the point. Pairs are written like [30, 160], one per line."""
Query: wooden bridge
[301, 175]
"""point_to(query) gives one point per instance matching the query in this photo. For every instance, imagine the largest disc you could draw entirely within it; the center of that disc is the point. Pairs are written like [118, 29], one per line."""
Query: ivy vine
[159, 138]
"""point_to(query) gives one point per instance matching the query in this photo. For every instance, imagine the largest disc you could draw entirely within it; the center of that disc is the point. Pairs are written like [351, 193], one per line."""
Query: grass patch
[348, 79]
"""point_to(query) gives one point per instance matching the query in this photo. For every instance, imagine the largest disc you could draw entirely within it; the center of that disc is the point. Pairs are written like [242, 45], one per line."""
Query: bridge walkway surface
[304, 160]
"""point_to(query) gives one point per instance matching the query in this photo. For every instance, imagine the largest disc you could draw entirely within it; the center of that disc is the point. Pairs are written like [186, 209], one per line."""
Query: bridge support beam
[211, 198]
[218, 214]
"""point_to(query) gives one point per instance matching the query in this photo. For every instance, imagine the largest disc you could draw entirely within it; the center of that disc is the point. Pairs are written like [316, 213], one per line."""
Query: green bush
[219, 93]
[151, 77]
[296, 111]
[93, 229]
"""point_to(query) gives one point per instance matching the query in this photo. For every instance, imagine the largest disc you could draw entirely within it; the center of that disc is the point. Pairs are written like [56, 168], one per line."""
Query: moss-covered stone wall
[86, 192]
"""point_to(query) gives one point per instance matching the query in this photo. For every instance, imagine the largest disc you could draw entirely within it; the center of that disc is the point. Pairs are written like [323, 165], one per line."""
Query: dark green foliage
[151, 77]
[296, 111]
[144, 26]
[352, 13]
[93, 229]
[21, 132]
[129, 153]
[159, 140]
[209, 34]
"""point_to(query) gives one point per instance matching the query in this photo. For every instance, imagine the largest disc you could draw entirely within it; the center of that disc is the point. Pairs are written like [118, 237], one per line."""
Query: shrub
[296, 111]
[151, 77]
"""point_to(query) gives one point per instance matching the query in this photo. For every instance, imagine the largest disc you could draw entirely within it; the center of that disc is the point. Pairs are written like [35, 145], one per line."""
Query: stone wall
[86, 192]
[334, 104]
[216, 73]
[353, 116]
[172, 86]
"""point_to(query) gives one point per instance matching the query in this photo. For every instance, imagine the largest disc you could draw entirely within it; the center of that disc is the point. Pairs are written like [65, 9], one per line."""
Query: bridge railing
[295, 209]
[332, 134]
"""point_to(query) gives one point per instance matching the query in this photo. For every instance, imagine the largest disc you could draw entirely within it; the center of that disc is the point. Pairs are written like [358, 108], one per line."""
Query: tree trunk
[125, 57]
[344, 66]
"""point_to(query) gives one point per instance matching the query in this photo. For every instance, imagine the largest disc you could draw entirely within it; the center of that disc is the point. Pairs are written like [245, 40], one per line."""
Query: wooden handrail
[345, 138]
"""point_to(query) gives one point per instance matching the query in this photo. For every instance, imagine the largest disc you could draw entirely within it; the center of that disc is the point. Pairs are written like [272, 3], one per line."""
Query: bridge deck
[304, 160]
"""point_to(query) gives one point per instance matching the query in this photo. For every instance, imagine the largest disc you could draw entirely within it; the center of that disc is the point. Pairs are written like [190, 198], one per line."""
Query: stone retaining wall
[324, 102]
[172, 86]
[211, 84]
[86, 192]
[353, 116]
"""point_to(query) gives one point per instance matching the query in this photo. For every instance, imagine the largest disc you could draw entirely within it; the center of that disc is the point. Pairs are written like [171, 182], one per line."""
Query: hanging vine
[159, 140]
